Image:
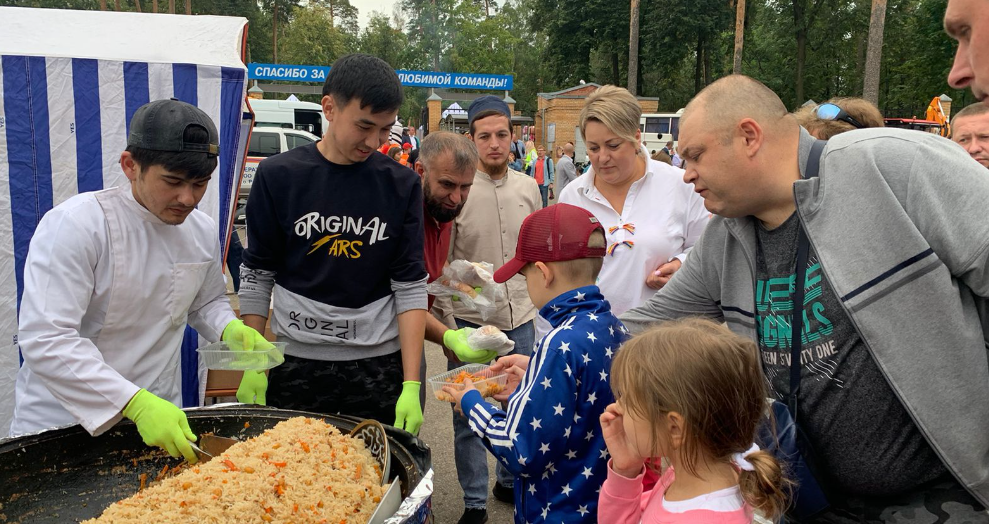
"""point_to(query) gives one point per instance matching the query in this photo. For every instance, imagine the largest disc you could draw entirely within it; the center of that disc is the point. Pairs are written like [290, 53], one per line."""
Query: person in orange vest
[406, 150]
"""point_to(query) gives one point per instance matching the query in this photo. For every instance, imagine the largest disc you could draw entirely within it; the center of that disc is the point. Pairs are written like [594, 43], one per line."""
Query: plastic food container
[219, 356]
[486, 381]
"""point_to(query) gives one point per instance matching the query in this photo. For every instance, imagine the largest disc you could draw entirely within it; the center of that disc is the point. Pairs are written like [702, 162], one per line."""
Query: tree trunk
[102, 5]
[874, 53]
[487, 9]
[802, 22]
[188, 7]
[708, 71]
[698, 66]
[274, 31]
[633, 49]
[436, 50]
[116, 5]
[615, 73]
[137, 5]
[801, 58]
[332, 17]
[154, 6]
[171, 6]
[739, 35]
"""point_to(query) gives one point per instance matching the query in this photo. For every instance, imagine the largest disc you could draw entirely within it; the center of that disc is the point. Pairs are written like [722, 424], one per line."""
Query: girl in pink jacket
[692, 393]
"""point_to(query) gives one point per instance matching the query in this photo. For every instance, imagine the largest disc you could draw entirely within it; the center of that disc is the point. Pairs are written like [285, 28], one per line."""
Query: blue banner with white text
[306, 73]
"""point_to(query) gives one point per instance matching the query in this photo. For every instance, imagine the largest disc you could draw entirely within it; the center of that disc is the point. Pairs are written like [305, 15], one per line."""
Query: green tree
[481, 45]
[280, 12]
[917, 55]
[532, 73]
[311, 39]
[429, 27]
[382, 40]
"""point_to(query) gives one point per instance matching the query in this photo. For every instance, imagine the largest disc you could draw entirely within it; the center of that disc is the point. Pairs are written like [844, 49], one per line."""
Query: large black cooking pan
[66, 475]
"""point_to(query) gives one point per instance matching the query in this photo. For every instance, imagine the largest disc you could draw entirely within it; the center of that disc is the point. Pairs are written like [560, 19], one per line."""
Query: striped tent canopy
[69, 83]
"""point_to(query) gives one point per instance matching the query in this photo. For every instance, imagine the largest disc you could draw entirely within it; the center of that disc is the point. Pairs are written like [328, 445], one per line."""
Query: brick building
[556, 115]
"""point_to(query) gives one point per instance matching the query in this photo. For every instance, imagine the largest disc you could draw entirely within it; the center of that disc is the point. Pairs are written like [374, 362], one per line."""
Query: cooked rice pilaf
[303, 470]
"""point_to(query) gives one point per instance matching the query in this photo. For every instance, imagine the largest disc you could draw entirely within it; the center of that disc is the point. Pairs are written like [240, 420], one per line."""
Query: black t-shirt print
[862, 436]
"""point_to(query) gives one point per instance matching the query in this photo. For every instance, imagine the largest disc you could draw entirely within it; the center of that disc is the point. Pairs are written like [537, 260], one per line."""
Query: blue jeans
[544, 192]
[468, 451]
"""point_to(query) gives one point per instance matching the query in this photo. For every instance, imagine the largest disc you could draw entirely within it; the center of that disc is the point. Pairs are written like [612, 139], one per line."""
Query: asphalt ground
[437, 433]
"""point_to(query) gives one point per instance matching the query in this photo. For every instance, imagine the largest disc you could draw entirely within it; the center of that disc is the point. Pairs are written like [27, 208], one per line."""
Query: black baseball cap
[487, 103]
[161, 125]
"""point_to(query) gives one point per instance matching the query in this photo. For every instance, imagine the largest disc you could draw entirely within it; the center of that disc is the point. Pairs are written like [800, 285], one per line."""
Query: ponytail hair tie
[739, 459]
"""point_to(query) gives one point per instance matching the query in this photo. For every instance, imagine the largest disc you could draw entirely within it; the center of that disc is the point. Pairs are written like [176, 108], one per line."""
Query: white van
[285, 114]
[659, 128]
[265, 142]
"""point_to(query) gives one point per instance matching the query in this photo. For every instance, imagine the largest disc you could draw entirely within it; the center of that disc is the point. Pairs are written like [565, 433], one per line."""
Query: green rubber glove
[408, 411]
[240, 337]
[252, 388]
[456, 341]
[161, 424]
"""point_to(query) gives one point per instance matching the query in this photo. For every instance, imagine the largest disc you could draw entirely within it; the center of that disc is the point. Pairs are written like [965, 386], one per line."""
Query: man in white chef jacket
[111, 279]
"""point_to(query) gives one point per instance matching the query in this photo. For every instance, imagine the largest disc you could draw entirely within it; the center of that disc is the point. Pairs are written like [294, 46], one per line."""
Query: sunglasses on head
[833, 112]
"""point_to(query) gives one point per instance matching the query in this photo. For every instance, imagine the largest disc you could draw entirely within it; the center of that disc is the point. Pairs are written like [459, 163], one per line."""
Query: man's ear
[129, 166]
[547, 272]
[752, 134]
[329, 105]
[421, 170]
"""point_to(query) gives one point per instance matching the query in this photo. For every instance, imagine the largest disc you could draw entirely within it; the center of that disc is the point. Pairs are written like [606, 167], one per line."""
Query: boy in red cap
[550, 438]
[406, 150]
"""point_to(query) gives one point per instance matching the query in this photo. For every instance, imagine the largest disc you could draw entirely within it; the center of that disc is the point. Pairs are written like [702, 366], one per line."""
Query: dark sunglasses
[833, 112]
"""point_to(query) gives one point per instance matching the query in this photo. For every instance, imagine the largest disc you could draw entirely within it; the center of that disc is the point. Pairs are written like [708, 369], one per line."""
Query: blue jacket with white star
[550, 437]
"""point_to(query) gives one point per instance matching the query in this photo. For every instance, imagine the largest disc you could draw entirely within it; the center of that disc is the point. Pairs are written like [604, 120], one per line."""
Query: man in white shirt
[111, 279]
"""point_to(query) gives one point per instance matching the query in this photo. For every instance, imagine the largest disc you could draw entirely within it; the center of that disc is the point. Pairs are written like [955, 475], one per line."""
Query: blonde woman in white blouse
[651, 217]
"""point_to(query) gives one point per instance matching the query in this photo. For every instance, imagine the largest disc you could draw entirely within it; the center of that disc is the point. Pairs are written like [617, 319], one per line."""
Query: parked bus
[304, 116]
[659, 128]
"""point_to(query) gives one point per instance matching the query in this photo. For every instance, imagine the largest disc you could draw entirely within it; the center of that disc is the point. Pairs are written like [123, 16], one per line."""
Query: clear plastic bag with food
[492, 339]
[472, 284]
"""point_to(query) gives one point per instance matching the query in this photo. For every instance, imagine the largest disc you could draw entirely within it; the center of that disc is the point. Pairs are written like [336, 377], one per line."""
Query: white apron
[131, 330]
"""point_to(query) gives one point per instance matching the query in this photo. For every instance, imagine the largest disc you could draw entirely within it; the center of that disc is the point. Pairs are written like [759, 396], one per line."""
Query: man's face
[412, 131]
[445, 189]
[168, 196]
[967, 21]
[972, 133]
[493, 138]
[354, 132]
[715, 169]
[541, 152]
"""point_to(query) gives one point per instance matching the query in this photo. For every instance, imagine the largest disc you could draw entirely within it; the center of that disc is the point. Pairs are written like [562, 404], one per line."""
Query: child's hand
[515, 375]
[458, 394]
[625, 460]
[503, 363]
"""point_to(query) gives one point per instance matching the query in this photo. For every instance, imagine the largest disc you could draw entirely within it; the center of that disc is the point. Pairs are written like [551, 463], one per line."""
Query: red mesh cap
[553, 234]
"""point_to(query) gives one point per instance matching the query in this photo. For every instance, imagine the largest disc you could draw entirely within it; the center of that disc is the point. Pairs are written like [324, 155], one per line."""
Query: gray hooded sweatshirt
[899, 222]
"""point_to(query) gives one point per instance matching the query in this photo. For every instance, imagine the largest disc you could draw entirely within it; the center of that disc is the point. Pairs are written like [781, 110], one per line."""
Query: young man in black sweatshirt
[335, 236]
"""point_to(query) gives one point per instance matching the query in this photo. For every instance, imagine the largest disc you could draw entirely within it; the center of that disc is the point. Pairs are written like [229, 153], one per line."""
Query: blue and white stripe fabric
[550, 437]
[63, 125]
